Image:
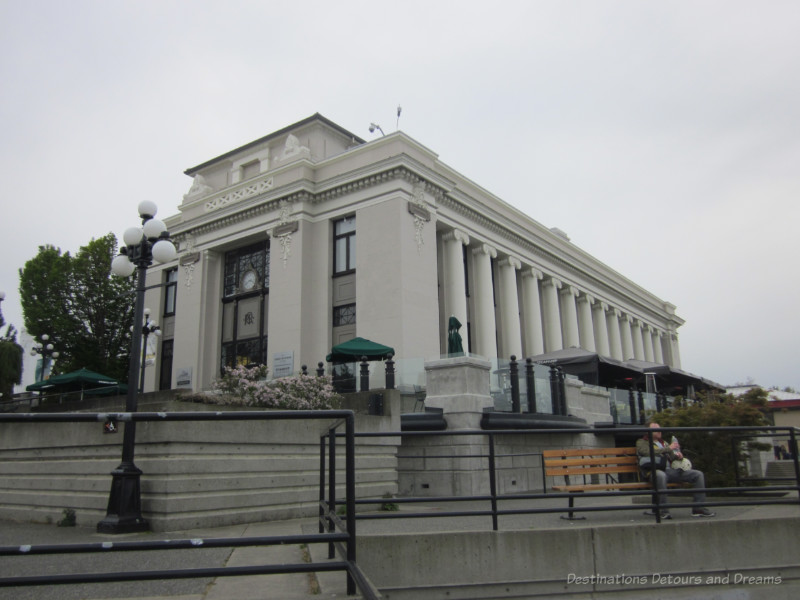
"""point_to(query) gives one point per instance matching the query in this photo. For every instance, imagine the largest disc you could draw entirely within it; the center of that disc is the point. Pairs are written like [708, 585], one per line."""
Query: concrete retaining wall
[196, 474]
[710, 559]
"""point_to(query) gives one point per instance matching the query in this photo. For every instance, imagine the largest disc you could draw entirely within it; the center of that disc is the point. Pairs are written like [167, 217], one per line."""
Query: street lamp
[46, 350]
[148, 328]
[143, 245]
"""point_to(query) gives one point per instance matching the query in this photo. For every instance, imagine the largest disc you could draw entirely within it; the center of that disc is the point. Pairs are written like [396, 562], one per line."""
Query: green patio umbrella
[353, 350]
[454, 345]
[82, 379]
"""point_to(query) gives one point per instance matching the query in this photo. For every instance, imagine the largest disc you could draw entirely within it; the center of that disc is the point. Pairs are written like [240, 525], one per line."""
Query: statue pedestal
[451, 465]
[460, 387]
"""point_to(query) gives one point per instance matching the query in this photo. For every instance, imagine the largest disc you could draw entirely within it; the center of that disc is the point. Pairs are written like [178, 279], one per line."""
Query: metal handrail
[493, 498]
[347, 538]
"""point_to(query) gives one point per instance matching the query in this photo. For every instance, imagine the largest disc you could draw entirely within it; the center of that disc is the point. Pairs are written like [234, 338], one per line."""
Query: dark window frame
[349, 237]
[170, 291]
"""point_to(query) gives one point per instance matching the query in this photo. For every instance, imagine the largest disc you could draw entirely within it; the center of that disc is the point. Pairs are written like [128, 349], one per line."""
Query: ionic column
[552, 315]
[658, 354]
[674, 350]
[455, 284]
[570, 316]
[601, 328]
[484, 324]
[509, 307]
[627, 339]
[614, 338]
[532, 312]
[585, 327]
[636, 334]
[647, 335]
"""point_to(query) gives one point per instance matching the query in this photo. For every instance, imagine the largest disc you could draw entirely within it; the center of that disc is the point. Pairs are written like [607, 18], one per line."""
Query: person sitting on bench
[664, 455]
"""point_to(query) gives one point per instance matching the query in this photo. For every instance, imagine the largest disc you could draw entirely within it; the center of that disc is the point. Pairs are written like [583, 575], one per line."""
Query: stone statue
[199, 188]
[294, 149]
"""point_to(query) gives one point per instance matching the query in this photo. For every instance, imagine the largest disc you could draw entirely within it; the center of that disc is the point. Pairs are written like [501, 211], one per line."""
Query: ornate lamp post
[148, 328]
[46, 351]
[143, 245]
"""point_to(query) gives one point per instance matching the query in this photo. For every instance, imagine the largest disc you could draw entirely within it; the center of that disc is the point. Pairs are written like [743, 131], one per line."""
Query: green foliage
[68, 519]
[711, 451]
[10, 360]
[389, 506]
[86, 311]
[10, 367]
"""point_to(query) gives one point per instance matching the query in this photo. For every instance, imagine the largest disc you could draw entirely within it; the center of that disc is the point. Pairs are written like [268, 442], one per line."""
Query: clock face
[249, 280]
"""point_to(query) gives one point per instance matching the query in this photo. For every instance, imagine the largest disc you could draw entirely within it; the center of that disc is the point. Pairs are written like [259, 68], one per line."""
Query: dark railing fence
[344, 539]
[723, 496]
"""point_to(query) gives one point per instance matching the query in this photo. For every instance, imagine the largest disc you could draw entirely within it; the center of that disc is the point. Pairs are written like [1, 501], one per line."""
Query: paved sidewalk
[259, 587]
[282, 587]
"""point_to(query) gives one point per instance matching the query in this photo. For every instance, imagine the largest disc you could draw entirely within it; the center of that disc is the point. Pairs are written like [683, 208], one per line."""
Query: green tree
[87, 311]
[711, 451]
[10, 360]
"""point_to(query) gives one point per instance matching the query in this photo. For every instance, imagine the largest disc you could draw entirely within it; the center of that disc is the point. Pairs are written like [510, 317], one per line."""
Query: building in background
[310, 236]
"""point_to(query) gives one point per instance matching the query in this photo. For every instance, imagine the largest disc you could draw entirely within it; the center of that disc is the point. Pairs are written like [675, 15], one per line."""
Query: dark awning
[353, 350]
[590, 367]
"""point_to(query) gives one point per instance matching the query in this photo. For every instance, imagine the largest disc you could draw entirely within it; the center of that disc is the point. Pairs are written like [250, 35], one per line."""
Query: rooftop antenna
[399, 110]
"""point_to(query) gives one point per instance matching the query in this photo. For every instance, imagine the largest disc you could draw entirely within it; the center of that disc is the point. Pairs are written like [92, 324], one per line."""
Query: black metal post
[795, 458]
[642, 416]
[632, 405]
[554, 391]
[513, 375]
[331, 487]
[304, 370]
[530, 383]
[493, 481]
[124, 512]
[145, 334]
[350, 490]
[320, 369]
[390, 372]
[364, 374]
[562, 390]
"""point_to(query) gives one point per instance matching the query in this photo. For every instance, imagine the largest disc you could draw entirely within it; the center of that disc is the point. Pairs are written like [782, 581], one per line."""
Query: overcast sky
[662, 137]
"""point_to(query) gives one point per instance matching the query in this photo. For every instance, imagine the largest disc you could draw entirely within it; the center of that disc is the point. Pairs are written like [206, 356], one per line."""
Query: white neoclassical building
[310, 236]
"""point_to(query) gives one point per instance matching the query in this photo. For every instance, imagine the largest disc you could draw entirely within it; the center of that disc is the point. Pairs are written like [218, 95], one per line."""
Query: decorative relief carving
[287, 225]
[245, 192]
[188, 260]
[420, 212]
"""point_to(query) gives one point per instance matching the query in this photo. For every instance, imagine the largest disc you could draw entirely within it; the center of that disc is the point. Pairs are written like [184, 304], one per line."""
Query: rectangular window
[344, 245]
[251, 170]
[344, 315]
[165, 380]
[170, 291]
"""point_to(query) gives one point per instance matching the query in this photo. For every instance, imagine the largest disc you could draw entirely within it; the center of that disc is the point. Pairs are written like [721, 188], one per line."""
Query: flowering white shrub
[248, 387]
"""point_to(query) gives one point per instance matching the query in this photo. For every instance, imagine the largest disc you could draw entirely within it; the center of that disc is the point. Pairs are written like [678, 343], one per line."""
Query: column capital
[588, 298]
[570, 290]
[485, 249]
[457, 235]
[616, 312]
[552, 281]
[532, 272]
[510, 261]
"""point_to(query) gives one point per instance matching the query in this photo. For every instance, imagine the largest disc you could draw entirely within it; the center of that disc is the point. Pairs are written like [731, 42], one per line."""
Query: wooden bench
[594, 469]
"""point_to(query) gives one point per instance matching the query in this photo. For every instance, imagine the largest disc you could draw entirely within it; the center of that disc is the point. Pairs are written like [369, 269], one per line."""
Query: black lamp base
[124, 513]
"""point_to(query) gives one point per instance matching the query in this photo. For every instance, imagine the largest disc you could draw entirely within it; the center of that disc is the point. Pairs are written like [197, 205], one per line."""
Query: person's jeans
[696, 478]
